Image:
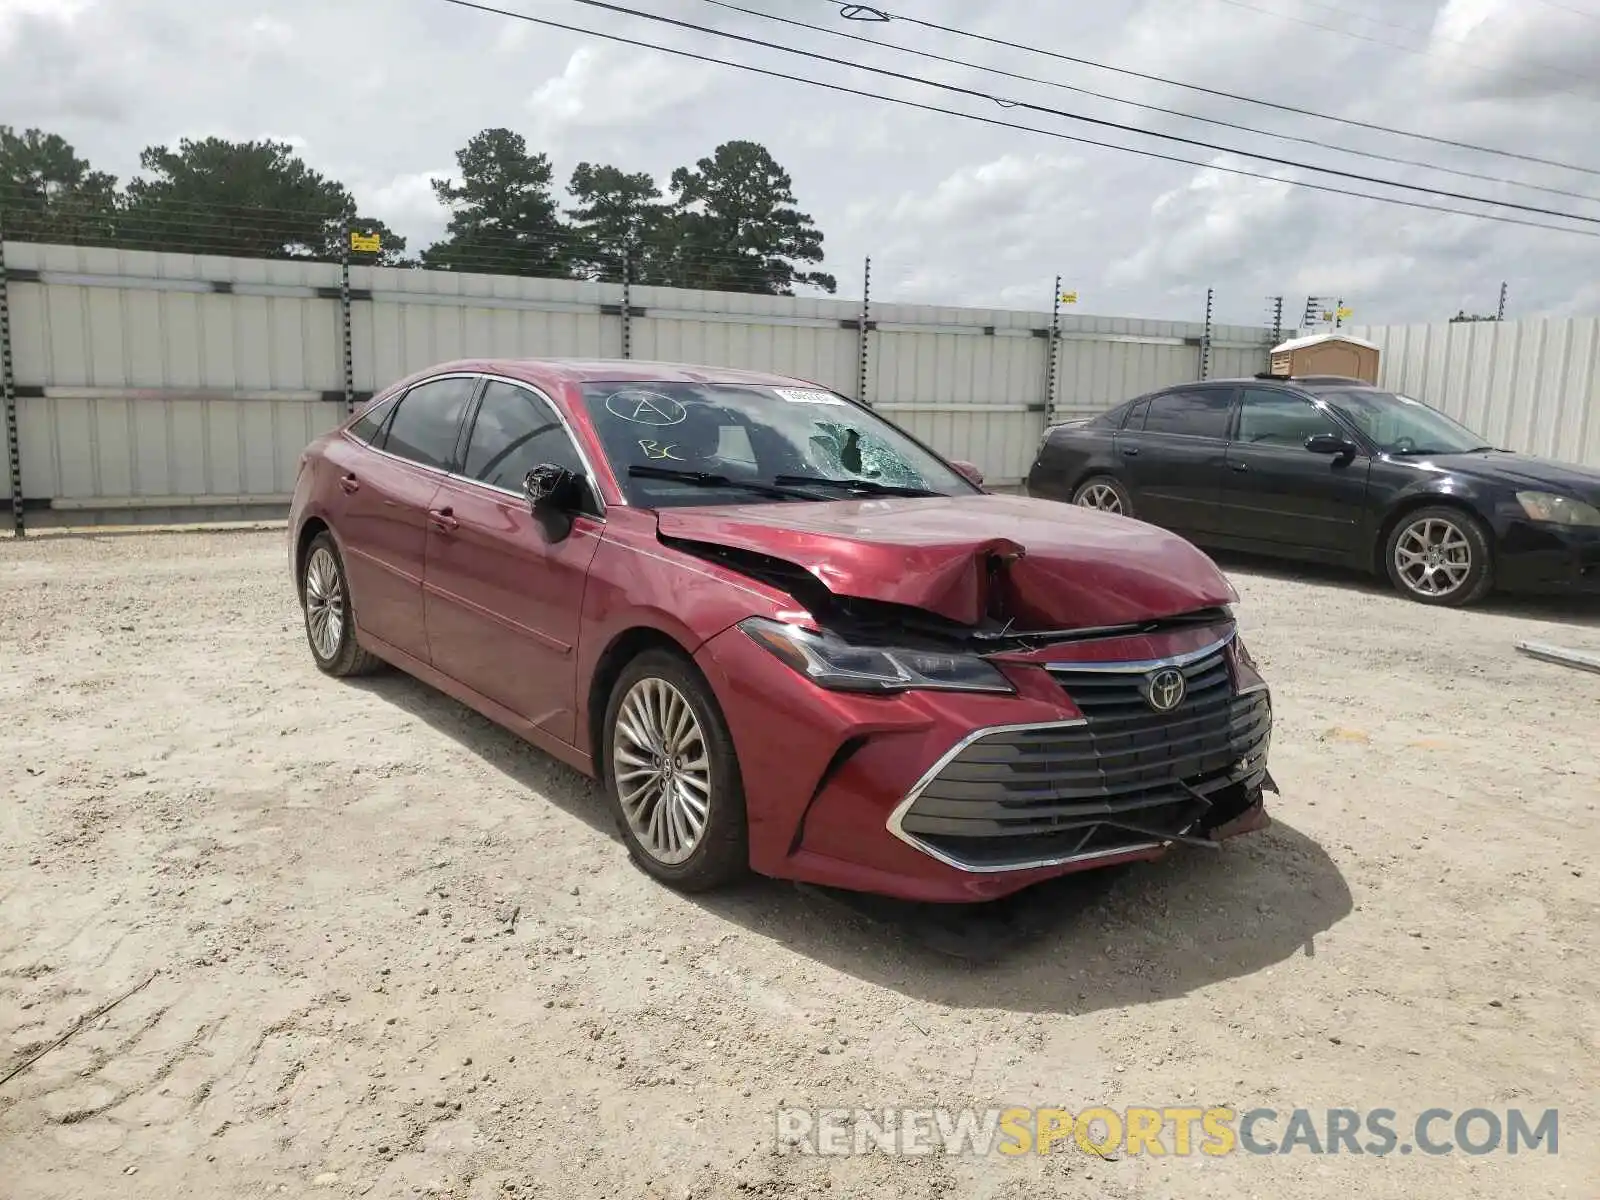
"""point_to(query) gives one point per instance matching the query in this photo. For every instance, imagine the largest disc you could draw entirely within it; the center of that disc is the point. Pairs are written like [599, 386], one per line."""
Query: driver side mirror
[1330, 443]
[969, 472]
[554, 495]
[550, 488]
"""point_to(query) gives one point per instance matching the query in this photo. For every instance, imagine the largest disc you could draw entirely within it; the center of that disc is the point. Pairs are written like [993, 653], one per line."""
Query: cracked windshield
[669, 443]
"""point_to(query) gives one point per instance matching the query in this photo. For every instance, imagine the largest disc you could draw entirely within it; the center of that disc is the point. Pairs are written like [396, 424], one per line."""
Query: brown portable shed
[1327, 354]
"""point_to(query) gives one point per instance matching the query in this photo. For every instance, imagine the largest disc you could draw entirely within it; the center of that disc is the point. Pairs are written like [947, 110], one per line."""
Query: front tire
[1440, 556]
[1104, 493]
[330, 618]
[672, 776]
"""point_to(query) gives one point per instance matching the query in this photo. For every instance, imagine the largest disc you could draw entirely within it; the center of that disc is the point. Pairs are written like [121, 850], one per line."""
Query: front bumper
[1536, 557]
[959, 797]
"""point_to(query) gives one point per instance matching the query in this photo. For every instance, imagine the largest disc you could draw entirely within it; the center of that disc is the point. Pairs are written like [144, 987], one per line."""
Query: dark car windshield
[755, 443]
[1400, 425]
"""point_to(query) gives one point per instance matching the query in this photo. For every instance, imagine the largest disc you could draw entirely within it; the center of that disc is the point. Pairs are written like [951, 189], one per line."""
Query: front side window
[515, 431]
[1200, 413]
[1400, 425]
[425, 425]
[1273, 418]
[755, 443]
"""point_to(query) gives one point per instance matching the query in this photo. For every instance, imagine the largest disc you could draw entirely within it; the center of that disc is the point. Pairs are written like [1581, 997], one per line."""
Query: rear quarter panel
[1069, 455]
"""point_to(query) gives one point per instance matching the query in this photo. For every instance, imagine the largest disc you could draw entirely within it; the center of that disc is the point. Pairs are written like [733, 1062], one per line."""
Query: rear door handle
[1130, 452]
[349, 483]
[1240, 467]
[443, 519]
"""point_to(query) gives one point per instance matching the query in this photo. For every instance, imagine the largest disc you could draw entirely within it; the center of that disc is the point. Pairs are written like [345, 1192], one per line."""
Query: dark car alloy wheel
[672, 776]
[1439, 556]
[1104, 493]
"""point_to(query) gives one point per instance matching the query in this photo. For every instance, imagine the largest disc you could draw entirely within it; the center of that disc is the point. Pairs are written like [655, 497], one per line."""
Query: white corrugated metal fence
[179, 387]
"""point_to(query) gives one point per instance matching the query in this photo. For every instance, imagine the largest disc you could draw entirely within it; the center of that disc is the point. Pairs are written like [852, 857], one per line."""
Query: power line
[1006, 102]
[1157, 108]
[1568, 8]
[1351, 33]
[1000, 124]
[862, 12]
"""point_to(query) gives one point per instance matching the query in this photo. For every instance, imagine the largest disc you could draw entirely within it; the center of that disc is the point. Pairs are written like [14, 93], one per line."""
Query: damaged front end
[1093, 767]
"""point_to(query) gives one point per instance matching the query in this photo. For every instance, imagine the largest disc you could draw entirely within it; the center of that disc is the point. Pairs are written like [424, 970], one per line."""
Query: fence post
[344, 322]
[8, 391]
[627, 298]
[866, 324]
[1500, 313]
[1052, 354]
[1277, 320]
[1205, 341]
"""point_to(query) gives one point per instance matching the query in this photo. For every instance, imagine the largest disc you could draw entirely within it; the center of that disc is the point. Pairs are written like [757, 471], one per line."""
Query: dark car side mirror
[1329, 443]
[968, 472]
[554, 495]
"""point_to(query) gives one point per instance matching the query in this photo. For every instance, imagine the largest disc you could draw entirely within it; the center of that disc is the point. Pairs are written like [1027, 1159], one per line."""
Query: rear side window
[370, 423]
[1112, 419]
[1193, 414]
[428, 420]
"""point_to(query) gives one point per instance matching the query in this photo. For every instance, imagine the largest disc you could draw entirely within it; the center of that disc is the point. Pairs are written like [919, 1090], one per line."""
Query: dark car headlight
[831, 662]
[1558, 510]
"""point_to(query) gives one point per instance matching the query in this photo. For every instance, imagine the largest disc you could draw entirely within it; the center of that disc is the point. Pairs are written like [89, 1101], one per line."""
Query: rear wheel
[330, 619]
[1104, 493]
[672, 776]
[1440, 556]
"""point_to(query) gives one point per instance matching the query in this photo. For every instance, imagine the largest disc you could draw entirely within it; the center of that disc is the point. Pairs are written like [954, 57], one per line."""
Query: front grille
[1124, 777]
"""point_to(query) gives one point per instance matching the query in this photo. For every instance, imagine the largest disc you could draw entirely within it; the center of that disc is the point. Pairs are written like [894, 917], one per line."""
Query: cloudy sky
[380, 94]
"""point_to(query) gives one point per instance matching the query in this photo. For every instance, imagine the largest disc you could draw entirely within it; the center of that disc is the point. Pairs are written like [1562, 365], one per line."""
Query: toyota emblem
[1164, 689]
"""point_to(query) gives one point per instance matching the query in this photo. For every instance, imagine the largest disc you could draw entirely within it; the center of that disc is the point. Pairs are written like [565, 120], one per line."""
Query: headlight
[1558, 510]
[833, 663]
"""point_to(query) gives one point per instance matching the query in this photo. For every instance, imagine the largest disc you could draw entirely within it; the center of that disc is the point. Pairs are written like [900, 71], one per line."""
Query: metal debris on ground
[1584, 660]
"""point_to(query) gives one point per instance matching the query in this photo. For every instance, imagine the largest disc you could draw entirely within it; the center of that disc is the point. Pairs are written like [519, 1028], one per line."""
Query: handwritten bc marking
[657, 451]
[640, 407]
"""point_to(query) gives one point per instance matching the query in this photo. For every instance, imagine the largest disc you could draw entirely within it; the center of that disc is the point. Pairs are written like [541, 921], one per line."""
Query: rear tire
[329, 616]
[1440, 556]
[1104, 493]
[672, 776]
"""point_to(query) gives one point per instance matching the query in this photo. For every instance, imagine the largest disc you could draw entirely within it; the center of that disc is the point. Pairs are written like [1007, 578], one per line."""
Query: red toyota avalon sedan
[786, 636]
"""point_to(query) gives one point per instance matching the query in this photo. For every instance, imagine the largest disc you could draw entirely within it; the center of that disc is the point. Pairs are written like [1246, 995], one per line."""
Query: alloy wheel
[1433, 557]
[324, 593]
[1102, 496]
[663, 770]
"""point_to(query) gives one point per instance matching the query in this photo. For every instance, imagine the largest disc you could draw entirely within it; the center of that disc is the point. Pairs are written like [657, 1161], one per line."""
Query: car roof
[599, 370]
[1305, 382]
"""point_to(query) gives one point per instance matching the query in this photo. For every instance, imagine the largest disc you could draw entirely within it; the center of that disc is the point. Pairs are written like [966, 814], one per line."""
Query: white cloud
[952, 211]
[603, 86]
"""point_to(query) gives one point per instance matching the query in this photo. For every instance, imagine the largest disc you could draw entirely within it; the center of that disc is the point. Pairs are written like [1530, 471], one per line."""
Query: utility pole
[1500, 315]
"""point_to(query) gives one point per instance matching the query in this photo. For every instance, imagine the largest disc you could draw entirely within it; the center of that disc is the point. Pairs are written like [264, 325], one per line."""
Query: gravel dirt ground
[396, 952]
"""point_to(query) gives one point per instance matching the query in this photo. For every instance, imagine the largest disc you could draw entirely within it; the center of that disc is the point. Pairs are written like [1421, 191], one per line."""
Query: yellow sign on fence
[1069, 297]
[368, 243]
[1344, 314]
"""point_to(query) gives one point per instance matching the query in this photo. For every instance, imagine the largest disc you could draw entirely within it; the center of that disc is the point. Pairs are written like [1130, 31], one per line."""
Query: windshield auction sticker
[807, 396]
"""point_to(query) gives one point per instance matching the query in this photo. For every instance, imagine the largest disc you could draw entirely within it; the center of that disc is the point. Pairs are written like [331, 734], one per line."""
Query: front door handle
[443, 519]
[1240, 467]
[1130, 452]
[349, 483]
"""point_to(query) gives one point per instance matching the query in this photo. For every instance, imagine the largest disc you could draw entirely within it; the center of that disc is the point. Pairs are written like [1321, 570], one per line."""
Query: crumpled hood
[1062, 567]
[1522, 471]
